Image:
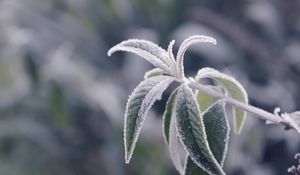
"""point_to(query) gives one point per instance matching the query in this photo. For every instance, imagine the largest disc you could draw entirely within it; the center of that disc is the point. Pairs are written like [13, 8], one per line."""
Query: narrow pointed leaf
[171, 133]
[168, 114]
[138, 105]
[192, 132]
[171, 57]
[147, 50]
[186, 44]
[234, 89]
[153, 72]
[174, 146]
[217, 130]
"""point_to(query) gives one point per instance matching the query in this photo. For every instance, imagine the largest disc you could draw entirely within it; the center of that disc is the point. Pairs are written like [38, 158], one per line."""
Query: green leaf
[192, 132]
[193, 169]
[175, 146]
[217, 130]
[168, 114]
[147, 50]
[205, 100]
[171, 133]
[233, 88]
[138, 105]
[153, 72]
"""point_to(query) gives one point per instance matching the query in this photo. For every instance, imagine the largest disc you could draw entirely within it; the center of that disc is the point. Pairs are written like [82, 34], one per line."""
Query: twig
[259, 112]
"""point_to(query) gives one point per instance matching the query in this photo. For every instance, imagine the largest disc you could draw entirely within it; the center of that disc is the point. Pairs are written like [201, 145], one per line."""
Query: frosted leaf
[170, 51]
[170, 133]
[292, 120]
[153, 72]
[174, 146]
[295, 116]
[190, 168]
[192, 132]
[171, 56]
[186, 44]
[217, 131]
[168, 114]
[138, 105]
[233, 88]
[151, 52]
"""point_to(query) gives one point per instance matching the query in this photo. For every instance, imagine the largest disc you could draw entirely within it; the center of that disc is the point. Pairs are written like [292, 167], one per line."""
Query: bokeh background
[62, 99]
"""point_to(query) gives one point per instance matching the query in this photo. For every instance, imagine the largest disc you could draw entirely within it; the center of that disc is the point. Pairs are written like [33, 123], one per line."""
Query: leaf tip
[128, 155]
[111, 51]
[171, 44]
[127, 160]
[238, 129]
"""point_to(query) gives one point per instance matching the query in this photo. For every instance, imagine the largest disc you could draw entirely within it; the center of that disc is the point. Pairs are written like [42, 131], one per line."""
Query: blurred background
[62, 99]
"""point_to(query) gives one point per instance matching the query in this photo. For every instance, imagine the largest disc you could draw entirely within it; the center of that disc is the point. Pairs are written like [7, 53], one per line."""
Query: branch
[274, 118]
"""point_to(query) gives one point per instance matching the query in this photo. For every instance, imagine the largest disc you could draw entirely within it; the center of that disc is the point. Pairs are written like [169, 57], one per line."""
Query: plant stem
[259, 112]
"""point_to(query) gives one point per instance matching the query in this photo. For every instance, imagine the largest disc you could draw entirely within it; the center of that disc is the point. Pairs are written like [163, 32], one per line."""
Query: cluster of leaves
[192, 119]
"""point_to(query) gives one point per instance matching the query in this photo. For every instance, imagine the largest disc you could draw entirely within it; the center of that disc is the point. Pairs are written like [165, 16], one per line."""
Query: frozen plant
[295, 170]
[195, 112]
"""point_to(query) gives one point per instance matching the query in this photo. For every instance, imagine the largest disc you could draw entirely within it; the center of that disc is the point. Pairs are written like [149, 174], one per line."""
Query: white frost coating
[145, 49]
[186, 95]
[223, 78]
[227, 125]
[206, 72]
[292, 120]
[186, 162]
[185, 45]
[153, 95]
[168, 115]
[153, 90]
[171, 56]
[220, 109]
[174, 147]
[276, 113]
[170, 51]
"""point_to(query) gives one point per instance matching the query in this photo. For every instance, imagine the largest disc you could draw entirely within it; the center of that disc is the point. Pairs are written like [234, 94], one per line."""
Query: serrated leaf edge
[205, 138]
[227, 134]
[128, 154]
[227, 138]
[169, 121]
[162, 63]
